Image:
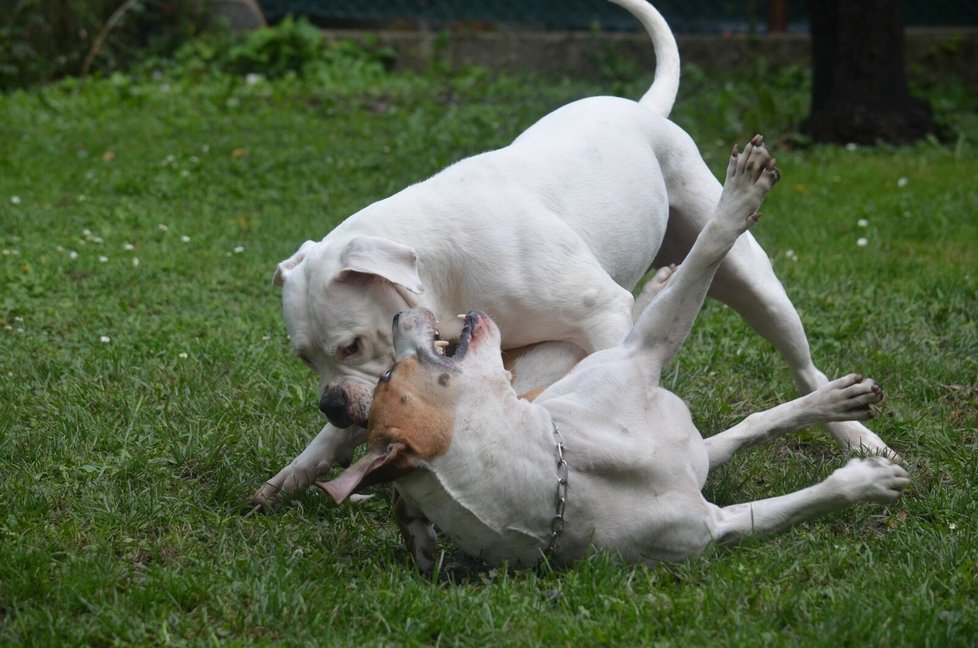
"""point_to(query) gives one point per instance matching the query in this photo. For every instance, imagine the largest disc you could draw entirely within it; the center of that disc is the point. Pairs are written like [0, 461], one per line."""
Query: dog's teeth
[441, 344]
[461, 316]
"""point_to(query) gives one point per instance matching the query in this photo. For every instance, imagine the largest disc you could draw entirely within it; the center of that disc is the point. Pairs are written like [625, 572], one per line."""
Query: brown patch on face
[415, 406]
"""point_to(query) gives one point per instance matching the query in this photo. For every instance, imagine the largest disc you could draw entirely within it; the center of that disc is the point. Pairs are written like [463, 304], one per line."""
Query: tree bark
[859, 87]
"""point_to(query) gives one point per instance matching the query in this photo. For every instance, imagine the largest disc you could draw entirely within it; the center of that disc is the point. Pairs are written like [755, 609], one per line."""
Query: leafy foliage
[42, 40]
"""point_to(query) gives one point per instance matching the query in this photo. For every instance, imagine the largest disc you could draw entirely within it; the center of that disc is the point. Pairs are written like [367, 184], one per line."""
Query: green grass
[142, 402]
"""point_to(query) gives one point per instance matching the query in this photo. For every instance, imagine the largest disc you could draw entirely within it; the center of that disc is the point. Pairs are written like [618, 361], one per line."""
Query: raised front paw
[750, 175]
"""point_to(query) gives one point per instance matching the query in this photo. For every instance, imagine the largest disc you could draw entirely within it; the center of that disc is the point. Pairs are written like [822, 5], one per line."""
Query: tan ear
[282, 269]
[382, 257]
[380, 465]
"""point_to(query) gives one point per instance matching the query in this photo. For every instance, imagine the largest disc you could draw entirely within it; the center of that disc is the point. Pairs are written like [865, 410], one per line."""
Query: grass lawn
[147, 388]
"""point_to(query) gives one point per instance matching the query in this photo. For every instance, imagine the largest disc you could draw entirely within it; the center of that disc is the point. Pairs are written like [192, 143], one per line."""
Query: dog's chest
[476, 527]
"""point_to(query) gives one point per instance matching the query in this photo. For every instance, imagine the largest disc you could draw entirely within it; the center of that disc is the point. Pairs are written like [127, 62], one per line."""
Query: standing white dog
[604, 458]
[548, 235]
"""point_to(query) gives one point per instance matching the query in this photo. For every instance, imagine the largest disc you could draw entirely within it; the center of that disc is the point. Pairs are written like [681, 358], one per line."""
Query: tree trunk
[859, 89]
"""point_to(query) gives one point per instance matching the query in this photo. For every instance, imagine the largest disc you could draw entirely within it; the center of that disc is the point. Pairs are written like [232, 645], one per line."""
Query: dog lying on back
[605, 457]
[549, 235]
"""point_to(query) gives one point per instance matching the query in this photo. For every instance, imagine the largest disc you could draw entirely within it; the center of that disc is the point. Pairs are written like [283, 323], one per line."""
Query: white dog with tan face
[606, 457]
[548, 235]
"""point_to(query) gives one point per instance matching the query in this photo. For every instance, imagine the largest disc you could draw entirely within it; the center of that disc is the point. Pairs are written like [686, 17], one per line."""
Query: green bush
[293, 46]
[43, 40]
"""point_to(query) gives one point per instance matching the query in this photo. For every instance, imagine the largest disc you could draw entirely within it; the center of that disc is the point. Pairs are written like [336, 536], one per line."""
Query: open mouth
[468, 331]
[416, 332]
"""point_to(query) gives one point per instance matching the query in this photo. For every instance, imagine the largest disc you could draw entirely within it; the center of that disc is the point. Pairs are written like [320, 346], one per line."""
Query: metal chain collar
[560, 502]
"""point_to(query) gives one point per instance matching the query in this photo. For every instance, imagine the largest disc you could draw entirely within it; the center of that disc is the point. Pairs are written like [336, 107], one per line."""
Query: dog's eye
[350, 349]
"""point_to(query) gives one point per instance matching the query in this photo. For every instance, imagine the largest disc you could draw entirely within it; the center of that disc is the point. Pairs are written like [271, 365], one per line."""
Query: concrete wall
[938, 51]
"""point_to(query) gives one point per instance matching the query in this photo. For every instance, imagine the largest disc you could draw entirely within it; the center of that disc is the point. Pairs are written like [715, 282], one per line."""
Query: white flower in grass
[253, 79]
[205, 148]
[97, 239]
[862, 222]
[87, 233]
[135, 262]
[902, 182]
[15, 200]
[103, 259]
[183, 355]
[72, 255]
[104, 339]
[791, 255]
[952, 526]
[185, 238]
[862, 242]
[128, 247]
[162, 227]
[852, 146]
[238, 249]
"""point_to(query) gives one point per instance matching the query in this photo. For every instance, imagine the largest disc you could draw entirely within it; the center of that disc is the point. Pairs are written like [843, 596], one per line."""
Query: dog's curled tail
[662, 94]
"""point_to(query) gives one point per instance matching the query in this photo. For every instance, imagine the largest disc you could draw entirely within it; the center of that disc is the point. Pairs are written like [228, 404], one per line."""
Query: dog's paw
[750, 175]
[266, 497]
[872, 480]
[851, 398]
[859, 440]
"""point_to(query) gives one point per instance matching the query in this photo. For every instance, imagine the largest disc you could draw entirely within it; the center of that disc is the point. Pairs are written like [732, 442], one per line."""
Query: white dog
[604, 458]
[548, 235]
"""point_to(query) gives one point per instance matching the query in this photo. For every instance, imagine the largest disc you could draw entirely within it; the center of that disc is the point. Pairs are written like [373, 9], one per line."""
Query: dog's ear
[382, 257]
[282, 269]
[381, 464]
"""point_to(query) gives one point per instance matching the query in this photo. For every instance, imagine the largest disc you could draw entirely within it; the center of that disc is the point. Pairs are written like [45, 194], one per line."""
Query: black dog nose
[333, 404]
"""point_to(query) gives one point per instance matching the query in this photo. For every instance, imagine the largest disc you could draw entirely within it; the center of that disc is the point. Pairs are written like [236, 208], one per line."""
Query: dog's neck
[494, 490]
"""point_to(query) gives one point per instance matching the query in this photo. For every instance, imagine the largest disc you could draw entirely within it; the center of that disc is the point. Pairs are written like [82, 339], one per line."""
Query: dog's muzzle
[345, 405]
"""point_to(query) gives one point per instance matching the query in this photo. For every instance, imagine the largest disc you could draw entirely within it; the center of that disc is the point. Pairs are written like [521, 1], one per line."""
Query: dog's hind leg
[861, 480]
[845, 399]
[331, 446]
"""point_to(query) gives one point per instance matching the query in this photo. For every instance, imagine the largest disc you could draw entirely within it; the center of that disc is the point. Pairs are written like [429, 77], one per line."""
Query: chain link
[560, 501]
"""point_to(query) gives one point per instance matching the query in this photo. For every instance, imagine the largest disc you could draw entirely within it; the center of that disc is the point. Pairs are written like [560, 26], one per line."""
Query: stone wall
[938, 51]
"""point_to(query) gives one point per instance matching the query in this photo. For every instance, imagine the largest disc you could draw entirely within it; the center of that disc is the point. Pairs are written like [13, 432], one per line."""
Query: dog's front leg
[662, 328]
[418, 533]
[331, 446]
[847, 399]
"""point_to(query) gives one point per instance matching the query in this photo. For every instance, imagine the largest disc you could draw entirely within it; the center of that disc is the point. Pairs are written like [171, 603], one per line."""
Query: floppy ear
[382, 257]
[282, 269]
[380, 465]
